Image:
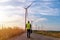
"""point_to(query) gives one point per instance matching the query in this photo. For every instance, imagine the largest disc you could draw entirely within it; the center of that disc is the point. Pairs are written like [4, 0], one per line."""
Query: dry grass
[55, 34]
[10, 32]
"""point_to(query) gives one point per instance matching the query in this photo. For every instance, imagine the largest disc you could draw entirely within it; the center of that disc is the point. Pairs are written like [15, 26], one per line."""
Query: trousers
[28, 33]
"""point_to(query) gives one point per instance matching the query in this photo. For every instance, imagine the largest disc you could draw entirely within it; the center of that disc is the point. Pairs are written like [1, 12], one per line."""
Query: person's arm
[31, 27]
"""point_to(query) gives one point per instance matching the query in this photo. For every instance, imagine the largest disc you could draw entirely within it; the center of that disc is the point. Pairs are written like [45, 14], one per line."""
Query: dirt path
[33, 37]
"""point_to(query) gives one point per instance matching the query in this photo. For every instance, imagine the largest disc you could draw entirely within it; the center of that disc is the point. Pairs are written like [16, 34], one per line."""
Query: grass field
[49, 33]
[7, 33]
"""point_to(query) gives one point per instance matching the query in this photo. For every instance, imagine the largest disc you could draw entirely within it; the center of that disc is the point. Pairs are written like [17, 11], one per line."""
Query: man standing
[28, 28]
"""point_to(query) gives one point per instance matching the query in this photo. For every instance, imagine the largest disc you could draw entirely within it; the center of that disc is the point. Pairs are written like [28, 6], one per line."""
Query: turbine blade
[30, 5]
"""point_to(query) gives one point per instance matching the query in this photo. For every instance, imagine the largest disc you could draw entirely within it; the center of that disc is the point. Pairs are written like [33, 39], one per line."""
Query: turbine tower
[26, 12]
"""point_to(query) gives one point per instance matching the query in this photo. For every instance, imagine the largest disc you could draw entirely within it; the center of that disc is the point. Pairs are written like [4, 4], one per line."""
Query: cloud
[36, 19]
[12, 21]
[11, 10]
[12, 15]
[21, 0]
[4, 18]
[47, 0]
[6, 7]
[4, 0]
[44, 9]
[50, 11]
[50, 0]
[25, 0]
[41, 19]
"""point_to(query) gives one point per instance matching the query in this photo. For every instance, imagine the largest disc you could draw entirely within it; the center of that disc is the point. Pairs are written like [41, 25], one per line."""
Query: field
[55, 34]
[7, 33]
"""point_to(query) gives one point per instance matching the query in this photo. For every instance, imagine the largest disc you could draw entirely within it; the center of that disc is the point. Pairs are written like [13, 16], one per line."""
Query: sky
[44, 14]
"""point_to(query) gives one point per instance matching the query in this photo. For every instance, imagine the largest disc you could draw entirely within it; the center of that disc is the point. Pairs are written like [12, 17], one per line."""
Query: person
[29, 29]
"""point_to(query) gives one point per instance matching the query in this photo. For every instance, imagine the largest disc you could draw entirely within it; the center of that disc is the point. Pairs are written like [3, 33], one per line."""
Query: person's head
[28, 22]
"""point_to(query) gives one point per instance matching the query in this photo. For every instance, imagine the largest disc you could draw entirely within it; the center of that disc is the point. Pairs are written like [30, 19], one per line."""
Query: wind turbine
[26, 12]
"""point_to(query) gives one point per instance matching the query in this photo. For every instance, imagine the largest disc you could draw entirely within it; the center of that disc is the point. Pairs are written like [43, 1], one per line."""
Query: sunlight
[2, 18]
[11, 16]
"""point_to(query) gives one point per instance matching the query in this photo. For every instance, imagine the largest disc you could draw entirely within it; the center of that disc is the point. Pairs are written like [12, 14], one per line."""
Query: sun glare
[2, 18]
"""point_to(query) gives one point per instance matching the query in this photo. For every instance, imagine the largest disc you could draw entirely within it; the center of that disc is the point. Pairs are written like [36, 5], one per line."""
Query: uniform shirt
[28, 26]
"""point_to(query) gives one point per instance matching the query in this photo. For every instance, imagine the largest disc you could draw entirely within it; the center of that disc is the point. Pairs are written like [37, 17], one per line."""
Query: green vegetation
[49, 33]
[10, 32]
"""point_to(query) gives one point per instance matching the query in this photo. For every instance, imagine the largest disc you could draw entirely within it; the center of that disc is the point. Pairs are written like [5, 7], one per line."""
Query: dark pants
[28, 33]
